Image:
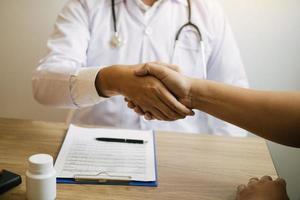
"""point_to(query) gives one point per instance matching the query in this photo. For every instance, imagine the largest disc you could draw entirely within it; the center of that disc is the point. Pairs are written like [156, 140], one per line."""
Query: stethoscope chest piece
[116, 40]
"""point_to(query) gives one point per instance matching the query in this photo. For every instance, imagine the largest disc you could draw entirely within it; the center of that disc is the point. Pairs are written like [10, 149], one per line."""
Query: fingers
[153, 113]
[158, 110]
[240, 188]
[281, 181]
[141, 71]
[166, 106]
[266, 178]
[126, 99]
[148, 116]
[158, 114]
[170, 66]
[156, 99]
[161, 112]
[131, 105]
[138, 110]
[168, 110]
[157, 69]
[262, 189]
[174, 104]
[253, 180]
[162, 108]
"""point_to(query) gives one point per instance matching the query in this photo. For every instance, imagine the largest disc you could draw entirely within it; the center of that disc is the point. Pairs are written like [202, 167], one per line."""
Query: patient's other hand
[263, 189]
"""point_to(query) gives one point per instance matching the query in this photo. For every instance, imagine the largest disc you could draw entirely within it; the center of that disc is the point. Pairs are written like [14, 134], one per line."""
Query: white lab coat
[80, 46]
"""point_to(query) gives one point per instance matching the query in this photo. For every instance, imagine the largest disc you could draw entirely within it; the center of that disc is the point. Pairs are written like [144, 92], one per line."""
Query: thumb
[141, 71]
[153, 69]
[168, 66]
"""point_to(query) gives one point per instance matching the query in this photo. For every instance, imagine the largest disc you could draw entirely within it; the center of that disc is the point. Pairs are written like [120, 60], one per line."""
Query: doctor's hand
[264, 188]
[177, 83]
[146, 91]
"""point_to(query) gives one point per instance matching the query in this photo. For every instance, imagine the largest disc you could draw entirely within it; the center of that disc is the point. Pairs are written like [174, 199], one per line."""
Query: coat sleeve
[62, 78]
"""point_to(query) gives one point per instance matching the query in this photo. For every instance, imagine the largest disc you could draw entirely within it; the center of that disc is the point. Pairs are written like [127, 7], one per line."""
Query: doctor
[96, 45]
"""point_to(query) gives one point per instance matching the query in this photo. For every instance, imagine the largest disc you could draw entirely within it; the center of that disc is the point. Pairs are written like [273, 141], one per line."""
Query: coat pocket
[189, 55]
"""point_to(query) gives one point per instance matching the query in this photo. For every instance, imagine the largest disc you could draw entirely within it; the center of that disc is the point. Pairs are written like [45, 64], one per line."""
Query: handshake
[155, 90]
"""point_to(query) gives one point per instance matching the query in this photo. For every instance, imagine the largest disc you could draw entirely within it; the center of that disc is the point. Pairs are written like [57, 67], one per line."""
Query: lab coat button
[148, 31]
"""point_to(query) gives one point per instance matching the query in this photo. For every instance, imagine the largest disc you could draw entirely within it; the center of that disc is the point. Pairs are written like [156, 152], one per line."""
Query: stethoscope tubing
[189, 23]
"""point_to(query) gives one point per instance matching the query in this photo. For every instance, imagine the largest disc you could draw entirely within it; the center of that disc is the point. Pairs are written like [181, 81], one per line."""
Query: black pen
[132, 141]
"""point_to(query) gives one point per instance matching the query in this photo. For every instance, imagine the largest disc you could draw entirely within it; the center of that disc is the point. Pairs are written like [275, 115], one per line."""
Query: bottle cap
[40, 163]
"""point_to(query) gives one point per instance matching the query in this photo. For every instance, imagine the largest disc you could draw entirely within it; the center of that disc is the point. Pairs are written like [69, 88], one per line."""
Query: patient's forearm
[272, 115]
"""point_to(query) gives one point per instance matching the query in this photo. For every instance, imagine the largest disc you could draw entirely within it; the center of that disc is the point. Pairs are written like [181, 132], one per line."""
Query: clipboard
[103, 178]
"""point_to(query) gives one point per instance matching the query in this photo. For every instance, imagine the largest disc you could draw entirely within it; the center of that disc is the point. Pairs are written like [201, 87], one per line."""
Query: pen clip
[102, 177]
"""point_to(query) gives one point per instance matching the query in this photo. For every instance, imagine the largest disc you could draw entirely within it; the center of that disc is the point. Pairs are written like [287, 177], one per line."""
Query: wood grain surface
[201, 167]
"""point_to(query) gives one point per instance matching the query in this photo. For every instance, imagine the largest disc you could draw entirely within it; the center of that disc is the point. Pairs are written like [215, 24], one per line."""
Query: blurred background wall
[267, 32]
[24, 28]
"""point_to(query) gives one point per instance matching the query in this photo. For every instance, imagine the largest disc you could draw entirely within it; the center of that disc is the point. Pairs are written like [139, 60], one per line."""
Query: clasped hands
[155, 90]
[159, 91]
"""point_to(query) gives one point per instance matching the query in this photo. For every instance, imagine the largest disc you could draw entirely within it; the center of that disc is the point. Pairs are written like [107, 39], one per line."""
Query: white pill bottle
[40, 178]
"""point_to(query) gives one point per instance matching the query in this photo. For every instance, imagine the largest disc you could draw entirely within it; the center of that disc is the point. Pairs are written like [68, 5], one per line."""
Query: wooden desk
[189, 166]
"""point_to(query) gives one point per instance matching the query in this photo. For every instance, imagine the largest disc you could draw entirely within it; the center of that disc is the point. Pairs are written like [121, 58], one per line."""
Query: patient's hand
[146, 91]
[263, 189]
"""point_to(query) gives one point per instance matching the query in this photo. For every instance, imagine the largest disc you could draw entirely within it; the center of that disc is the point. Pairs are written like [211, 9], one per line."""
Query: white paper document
[82, 155]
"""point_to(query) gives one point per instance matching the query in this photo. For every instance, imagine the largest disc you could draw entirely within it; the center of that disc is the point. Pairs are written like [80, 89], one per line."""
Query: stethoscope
[117, 41]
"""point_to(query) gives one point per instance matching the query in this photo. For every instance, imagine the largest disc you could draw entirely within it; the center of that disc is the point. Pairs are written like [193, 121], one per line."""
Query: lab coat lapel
[135, 11]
